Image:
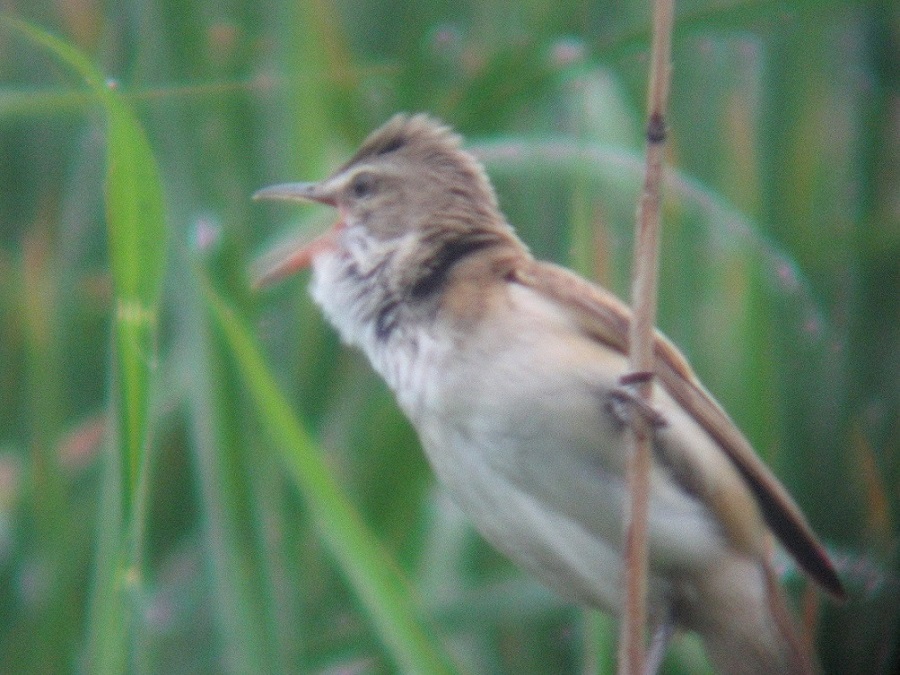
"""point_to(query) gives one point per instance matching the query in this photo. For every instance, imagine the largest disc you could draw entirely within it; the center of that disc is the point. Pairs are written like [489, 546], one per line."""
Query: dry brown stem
[632, 645]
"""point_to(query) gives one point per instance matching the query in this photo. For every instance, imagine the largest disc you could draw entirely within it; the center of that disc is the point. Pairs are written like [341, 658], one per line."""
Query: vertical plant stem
[641, 340]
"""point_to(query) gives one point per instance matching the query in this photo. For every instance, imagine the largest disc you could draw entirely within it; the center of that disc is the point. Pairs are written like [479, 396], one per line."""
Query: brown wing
[607, 319]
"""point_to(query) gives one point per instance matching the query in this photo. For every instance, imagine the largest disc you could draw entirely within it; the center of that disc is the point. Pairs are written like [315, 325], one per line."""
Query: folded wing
[606, 319]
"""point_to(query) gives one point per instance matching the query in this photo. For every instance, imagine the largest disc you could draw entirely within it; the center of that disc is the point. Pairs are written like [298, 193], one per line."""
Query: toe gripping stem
[627, 403]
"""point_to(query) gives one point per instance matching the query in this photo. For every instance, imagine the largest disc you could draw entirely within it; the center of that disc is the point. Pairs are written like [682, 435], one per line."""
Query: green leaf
[370, 572]
[136, 241]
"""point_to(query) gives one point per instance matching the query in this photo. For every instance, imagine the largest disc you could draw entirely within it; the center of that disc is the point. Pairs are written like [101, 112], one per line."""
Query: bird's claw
[626, 402]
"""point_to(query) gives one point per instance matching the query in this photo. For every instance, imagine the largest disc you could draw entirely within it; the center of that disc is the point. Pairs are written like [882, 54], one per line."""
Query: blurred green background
[163, 510]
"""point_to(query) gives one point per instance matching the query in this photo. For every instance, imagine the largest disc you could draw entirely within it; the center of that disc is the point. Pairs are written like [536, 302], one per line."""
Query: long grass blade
[370, 572]
[136, 236]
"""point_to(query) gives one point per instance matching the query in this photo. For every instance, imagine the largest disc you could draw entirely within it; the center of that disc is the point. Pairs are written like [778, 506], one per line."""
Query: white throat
[353, 286]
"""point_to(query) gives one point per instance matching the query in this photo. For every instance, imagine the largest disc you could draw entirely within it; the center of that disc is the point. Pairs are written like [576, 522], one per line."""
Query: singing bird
[510, 369]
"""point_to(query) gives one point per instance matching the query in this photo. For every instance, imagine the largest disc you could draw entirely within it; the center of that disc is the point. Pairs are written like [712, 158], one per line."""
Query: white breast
[512, 415]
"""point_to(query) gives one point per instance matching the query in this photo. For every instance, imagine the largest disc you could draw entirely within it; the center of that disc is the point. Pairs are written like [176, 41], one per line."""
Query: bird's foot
[628, 405]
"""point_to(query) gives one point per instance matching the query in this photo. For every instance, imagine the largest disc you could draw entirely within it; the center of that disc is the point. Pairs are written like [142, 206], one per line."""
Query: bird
[513, 372]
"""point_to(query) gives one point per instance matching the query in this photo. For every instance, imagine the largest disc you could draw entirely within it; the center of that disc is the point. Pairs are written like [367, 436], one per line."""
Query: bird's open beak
[284, 261]
[298, 192]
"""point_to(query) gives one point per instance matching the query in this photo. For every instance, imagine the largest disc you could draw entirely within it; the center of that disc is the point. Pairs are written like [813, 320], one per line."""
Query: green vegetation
[195, 477]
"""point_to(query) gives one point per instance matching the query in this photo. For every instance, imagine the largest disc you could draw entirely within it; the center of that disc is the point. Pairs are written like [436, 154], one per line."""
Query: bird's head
[409, 185]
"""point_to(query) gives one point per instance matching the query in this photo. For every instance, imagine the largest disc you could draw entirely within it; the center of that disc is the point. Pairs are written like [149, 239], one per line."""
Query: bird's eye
[363, 185]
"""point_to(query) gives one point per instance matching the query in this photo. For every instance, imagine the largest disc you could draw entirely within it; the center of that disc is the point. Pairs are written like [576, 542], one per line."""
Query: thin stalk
[632, 646]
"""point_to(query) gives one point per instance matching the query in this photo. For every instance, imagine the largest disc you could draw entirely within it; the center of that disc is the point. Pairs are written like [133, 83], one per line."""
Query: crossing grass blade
[370, 572]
